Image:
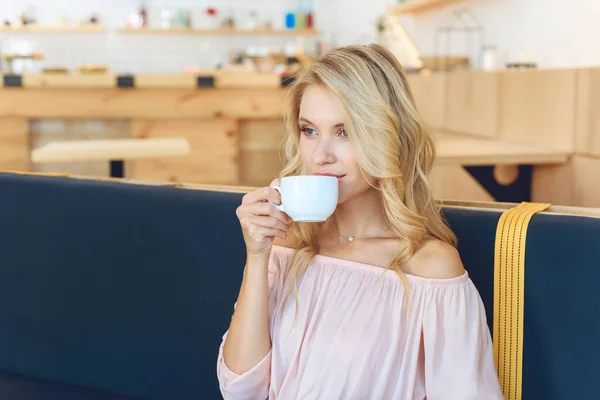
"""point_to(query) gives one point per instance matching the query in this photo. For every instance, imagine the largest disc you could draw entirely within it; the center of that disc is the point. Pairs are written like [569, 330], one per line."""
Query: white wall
[552, 33]
[555, 33]
[151, 53]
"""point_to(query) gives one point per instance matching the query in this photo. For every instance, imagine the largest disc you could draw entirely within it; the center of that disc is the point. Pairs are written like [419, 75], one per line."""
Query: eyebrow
[340, 125]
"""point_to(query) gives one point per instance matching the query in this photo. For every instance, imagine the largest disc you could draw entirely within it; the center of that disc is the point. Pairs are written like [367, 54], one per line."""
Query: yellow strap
[509, 295]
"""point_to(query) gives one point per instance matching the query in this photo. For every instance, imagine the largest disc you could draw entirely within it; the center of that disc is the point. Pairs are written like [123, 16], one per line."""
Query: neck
[360, 216]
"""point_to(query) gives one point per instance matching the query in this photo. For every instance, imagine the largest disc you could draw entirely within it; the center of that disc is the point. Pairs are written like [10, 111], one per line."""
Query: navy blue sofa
[112, 290]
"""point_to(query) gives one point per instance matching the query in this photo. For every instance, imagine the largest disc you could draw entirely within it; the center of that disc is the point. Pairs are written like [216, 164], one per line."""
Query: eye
[343, 133]
[308, 131]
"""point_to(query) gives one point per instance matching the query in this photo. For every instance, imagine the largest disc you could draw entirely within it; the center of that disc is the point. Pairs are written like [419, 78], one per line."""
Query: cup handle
[280, 206]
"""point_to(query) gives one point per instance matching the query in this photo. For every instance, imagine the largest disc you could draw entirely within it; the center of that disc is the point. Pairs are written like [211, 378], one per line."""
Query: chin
[343, 196]
[348, 193]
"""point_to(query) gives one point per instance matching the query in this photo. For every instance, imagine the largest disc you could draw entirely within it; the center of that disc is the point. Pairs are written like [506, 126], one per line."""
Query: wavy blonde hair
[392, 147]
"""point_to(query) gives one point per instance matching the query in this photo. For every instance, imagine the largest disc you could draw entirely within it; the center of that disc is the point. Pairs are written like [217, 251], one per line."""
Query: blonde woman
[391, 314]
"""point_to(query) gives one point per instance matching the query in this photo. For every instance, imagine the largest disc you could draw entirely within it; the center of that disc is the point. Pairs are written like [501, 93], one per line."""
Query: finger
[262, 234]
[269, 222]
[267, 209]
[256, 196]
[273, 196]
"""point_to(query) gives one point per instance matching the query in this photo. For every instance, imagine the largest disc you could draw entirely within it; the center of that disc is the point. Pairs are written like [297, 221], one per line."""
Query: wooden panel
[452, 182]
[80, 81]
[260, 167]
[165, 81]
[586, 173]
[553, 184]
[588, 115]
[147, 103]
[247, 79]
[472, 103]
[429, 92]
[223, 80]
[14, 144]
[267, 134]
[574, 184]
[214, 155]
[227, 79]
[538, 107]
[261, 155]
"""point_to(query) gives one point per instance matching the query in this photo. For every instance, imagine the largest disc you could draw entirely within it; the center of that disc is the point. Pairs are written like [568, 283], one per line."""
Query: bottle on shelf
[309, 16]
[290, 20]
[290, 16]
[166, 19]
[144, 15]
[300, 15]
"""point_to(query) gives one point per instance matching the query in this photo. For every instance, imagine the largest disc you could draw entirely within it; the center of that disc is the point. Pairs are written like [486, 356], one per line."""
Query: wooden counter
[221, 113]
[556, 109]
[233, 122]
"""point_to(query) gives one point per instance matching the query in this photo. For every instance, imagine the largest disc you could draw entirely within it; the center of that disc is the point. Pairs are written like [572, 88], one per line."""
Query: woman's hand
[261, 222]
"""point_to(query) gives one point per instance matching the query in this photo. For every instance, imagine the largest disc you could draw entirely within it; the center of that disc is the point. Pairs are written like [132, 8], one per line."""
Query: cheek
[305, 151]
[357, 181]
[349, 161]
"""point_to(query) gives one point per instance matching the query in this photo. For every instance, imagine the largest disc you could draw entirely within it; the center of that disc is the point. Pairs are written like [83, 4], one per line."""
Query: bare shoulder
[436, 259]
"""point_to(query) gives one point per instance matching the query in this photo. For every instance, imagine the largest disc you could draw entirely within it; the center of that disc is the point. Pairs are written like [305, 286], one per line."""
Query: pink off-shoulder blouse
[354, 339]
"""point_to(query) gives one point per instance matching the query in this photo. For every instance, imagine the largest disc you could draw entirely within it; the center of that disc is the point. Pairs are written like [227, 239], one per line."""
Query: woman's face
[325, 146]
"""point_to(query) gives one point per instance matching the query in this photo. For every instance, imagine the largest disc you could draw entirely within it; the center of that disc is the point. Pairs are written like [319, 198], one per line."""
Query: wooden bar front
[234, 125]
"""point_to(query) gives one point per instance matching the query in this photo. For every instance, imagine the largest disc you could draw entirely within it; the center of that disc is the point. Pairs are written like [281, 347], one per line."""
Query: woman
[391, 314]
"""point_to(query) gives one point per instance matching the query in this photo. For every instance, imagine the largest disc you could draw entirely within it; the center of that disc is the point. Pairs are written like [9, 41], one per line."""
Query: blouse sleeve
[457, 345]
[254, 383]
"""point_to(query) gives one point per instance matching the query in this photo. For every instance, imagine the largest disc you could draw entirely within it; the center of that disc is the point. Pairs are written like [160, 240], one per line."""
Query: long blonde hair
[392, 147]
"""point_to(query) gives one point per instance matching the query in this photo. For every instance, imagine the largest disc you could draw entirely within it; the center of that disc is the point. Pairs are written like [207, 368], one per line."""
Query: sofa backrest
[562, 272]
[129, 288]
[121, 288]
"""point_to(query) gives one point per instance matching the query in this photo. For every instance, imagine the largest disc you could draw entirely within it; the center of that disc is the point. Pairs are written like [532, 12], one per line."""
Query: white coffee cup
[308, 198]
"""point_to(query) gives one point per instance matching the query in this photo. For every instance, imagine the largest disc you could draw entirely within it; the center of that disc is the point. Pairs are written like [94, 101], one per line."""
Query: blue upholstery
[120, 288]
[127, 289]
[562, 273]
[13, 387]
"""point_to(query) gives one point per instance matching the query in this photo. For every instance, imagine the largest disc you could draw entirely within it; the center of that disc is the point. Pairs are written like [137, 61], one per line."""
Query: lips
[338, 176]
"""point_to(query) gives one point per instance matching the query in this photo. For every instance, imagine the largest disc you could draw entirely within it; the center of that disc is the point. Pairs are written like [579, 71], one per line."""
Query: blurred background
[191, 90]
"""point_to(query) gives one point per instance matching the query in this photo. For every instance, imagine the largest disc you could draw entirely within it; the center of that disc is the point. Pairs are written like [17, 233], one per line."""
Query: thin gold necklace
[353, 238]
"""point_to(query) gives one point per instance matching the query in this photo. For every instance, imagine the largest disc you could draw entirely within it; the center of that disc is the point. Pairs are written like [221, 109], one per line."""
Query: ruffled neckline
[369, 268]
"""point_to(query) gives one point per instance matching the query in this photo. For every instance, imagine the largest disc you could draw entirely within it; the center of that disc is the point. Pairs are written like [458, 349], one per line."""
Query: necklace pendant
[351, 239]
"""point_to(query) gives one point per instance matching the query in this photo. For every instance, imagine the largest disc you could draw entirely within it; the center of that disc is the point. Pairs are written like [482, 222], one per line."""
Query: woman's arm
[248, 340]
[244, 360]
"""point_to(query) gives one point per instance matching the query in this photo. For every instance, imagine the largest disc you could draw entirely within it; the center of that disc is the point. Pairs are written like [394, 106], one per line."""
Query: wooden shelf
[417, 6]
[91, 28]
[222, 31]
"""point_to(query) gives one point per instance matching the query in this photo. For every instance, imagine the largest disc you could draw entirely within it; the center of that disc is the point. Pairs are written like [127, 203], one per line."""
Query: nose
[324, 153]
